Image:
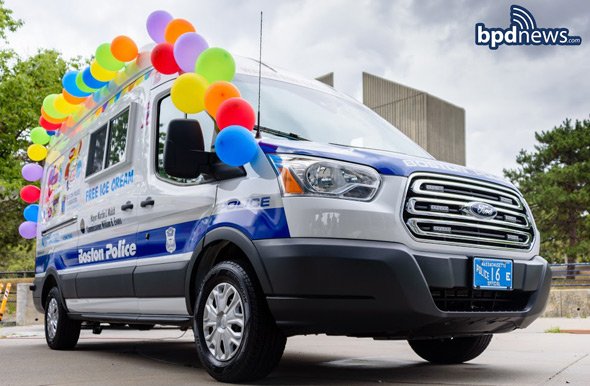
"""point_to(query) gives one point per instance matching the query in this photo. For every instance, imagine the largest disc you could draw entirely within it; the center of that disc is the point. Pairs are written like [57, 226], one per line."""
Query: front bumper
[380, 289]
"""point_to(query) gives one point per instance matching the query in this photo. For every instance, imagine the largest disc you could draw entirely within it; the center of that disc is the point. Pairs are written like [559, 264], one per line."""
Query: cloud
[508, 94]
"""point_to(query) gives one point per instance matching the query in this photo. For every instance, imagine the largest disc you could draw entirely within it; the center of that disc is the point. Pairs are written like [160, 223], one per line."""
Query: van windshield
[323, 117]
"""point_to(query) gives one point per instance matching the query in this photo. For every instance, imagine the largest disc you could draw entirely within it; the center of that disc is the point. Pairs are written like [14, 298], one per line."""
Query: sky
[508, 93]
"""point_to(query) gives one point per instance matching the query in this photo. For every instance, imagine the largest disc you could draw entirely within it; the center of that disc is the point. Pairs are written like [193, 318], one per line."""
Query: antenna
[259, 75]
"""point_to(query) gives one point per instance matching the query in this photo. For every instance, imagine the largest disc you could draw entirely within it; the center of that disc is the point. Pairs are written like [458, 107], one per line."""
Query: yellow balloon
[100, 73]
[37, 152]
[188, 93]
[63, 106]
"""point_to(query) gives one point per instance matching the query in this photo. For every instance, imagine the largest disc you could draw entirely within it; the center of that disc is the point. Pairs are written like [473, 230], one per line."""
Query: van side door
[173, 217]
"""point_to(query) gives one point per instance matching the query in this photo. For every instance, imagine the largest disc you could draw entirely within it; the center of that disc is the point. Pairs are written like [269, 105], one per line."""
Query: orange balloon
[124, 48]
[72, 99]
[49, 118]
[176, 28]
[217, 93]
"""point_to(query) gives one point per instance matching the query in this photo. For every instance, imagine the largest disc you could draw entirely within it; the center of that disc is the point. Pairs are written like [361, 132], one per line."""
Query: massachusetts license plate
[492, 274]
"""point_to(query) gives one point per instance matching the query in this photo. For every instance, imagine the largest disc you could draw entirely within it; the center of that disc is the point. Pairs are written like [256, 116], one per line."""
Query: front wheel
[451, 350]
[236, 337]
[61, 332]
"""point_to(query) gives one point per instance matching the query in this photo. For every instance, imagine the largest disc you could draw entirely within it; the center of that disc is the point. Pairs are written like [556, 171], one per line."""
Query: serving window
[108, 144]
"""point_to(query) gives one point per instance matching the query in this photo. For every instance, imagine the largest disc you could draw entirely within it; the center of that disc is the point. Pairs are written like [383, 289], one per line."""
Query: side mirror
[184, 151]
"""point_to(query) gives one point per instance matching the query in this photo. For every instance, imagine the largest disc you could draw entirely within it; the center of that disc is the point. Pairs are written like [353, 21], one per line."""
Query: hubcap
[52, 318]
[223, 321]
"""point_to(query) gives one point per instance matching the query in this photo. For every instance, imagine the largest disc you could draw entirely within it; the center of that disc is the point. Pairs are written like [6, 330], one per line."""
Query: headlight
[309, 176]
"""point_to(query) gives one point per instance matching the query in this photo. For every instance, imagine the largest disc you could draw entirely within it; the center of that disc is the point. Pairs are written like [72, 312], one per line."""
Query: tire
[451, 350]
[261, 346]
[61, 332]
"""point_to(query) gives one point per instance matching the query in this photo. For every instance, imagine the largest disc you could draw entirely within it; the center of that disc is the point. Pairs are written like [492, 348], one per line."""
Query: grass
[553, 330]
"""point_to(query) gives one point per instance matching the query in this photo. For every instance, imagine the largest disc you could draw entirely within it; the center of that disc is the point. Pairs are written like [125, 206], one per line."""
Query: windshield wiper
[279, 133]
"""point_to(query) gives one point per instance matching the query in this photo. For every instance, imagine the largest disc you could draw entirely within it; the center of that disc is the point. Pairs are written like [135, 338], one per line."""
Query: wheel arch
[210, 251]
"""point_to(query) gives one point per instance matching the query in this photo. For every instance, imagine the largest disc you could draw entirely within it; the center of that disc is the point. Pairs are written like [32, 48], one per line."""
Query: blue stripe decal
[254, 223]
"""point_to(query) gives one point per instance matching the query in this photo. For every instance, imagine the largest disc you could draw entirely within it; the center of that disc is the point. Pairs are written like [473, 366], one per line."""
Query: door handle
[147, 202]
[127, 206]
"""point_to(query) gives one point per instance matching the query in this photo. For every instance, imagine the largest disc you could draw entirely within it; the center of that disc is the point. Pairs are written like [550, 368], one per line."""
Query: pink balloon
[32, 172]
[156, 25]
[28, 230]
[187, 49]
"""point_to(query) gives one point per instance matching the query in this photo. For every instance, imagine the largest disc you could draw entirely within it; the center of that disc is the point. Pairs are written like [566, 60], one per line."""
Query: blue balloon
[91, 81]
[31, 212]
[235, 145]
[51, 132]
[69, 83]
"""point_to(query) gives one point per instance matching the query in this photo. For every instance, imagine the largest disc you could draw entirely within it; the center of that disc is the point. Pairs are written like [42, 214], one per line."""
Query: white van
[340, 226]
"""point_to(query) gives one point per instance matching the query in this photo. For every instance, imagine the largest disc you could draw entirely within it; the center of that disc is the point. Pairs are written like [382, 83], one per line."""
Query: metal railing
[571, 275]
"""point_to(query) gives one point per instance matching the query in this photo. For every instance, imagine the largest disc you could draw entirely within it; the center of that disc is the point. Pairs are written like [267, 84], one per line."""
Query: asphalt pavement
[167, 357]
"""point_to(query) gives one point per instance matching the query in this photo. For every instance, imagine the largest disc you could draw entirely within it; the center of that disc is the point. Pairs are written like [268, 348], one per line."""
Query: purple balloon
[187, 49]
[28, 230]
[156, 25]
[32, 172]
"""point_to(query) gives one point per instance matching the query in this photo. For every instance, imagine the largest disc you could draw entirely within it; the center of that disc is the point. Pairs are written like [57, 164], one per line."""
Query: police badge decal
[170, 239]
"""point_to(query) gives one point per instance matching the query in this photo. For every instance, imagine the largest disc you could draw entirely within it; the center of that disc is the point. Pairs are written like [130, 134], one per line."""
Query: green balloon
[49, 107]
[216, 64]
[39, 136]
[81, 85]
[105, 58]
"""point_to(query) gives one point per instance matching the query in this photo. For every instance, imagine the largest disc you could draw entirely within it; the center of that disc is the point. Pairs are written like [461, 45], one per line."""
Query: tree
[555, 180]
[24, 82]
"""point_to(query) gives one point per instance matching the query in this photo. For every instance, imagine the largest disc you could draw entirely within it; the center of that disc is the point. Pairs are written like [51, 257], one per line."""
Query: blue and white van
[341, 226]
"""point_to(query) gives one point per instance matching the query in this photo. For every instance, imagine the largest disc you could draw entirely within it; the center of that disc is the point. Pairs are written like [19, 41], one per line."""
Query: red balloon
[235, 111]
[163, 59]
[30, 194]
[48, 125]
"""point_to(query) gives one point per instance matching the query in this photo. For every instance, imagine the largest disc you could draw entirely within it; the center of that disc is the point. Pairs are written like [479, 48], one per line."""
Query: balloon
[236, 146]
[217, 93]
[72, 99]
[28, 230]
[51, 133]
[71, 86]
[176, 28]
[105, 58]
[30, 193]
[124, 48]
[163, 59]
[32, 172]
[50, 119]
[49, 107]
[37, 152]
[64, 106]
[156, 25]
[39, 136]
[83, 86]
[188, 93]
[216, 64]
[90, 81]
[48, 125]
[235, 111]
[187, 49]
[100, 74]
[31, 212]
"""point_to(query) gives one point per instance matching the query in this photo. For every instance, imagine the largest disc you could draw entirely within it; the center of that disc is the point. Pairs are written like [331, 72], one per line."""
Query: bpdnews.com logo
[523, 31]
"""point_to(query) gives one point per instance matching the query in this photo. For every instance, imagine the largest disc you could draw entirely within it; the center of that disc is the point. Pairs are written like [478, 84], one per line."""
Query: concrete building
[435, 124]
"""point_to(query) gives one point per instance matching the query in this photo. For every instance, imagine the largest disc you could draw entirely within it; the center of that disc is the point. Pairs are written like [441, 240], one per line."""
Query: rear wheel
[237, 339]
[61, 332]
[451, 350]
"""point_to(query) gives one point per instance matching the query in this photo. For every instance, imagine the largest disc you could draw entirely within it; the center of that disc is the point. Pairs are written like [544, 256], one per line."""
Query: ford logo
[480, 210]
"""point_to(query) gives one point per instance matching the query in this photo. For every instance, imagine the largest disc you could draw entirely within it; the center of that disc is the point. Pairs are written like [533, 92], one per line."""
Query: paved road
[167, 357]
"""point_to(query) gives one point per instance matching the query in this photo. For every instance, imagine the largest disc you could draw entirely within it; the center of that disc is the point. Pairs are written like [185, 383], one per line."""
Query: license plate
[492, 274]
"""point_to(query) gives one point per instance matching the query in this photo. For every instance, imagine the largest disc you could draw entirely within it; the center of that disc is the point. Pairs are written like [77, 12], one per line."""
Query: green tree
[24, 82]
[555, 180]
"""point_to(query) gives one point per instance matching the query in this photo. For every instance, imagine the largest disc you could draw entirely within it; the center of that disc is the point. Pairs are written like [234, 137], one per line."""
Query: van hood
[385, 162]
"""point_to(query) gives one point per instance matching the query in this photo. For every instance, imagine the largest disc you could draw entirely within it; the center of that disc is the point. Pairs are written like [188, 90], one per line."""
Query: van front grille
[437, 210]
[472, 300]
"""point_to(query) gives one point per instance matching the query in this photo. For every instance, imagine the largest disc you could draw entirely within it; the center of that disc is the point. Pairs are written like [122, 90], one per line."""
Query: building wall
[436, 125]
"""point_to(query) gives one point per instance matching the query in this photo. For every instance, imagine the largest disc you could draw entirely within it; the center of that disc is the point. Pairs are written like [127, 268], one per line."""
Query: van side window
[108, 144]
[96, 151]
[166, 113]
